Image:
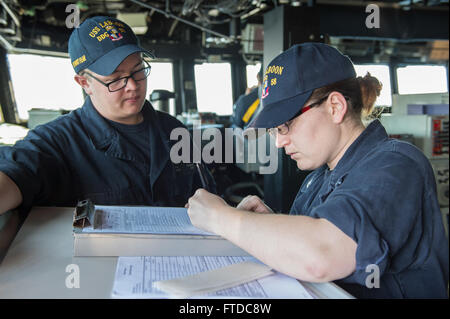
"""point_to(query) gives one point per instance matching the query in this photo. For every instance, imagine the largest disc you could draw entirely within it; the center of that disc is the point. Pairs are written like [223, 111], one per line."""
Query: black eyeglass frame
[126, 78]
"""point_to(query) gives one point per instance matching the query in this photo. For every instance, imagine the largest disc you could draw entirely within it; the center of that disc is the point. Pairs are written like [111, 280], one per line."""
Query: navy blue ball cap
[291, 78]
[101, 43]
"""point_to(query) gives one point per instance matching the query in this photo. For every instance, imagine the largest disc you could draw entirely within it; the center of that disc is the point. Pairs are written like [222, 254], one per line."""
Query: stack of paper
[143, 220]
[148, 231]
[214, 280]
[135, 277]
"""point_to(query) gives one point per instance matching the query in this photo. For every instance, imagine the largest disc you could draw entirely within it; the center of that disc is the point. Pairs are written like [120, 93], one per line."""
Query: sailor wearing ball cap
[370, 201]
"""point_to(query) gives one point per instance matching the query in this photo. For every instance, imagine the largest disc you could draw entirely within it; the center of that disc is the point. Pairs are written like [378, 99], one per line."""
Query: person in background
[247, 105]
[367, 216]
[115, 149]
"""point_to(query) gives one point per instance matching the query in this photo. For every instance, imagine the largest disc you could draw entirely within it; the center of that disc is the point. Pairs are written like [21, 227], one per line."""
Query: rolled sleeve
[356, 223]
[35, 165]
[12, 165]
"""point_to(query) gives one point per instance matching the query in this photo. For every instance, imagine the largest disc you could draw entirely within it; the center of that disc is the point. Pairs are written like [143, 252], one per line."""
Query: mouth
[291, 155]
[132, 99]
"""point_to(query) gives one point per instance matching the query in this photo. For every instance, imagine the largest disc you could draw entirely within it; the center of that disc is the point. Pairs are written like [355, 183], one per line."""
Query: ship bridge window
[213, 88]
[419, 79]
[43, 82]
[161, 78]
[252, 71]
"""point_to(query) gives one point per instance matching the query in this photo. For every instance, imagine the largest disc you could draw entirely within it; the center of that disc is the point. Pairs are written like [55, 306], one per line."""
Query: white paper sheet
[210, 281]
[135, 276]
[148, 220]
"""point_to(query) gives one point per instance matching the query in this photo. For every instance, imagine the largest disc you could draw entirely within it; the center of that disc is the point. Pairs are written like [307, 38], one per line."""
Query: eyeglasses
[283, 129]
[120, 83]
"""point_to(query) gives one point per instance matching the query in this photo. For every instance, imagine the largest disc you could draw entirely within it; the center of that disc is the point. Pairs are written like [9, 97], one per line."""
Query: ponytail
[370, 90]
[361, 94]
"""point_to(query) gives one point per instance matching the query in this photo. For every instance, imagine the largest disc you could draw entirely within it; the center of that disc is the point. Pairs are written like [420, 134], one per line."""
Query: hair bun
[370, 90]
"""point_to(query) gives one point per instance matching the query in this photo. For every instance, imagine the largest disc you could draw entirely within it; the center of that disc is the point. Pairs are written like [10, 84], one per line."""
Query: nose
[281, 140]
[131, 84]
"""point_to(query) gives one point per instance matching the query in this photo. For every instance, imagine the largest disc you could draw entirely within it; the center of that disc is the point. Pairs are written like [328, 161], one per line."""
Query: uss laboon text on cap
[292, 76]
[101, 44]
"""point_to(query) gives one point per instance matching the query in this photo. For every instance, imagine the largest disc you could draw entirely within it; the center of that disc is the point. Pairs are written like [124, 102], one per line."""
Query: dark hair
[361, 94]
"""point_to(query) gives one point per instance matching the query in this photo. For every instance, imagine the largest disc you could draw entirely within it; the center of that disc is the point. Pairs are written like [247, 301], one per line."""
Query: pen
[202, 177]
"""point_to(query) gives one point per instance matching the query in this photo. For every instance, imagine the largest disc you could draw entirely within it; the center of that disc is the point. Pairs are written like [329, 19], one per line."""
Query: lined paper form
[135, 276]
[148, 220]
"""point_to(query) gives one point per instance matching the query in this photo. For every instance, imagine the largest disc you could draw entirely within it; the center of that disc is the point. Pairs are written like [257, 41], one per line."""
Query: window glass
[252, 71]
[213, 88]
[381, 72]
[43, 82]
[38, 82]
[161, 78]
[418, 79]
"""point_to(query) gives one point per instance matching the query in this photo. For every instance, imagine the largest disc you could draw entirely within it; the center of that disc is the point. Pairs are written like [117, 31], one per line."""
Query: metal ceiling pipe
[3, 17]
[5, 44]
[12, 30]
[9, 11]
[170, 15]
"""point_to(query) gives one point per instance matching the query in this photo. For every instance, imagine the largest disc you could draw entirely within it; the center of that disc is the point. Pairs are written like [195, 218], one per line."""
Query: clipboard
[84, 215]
[105, 242]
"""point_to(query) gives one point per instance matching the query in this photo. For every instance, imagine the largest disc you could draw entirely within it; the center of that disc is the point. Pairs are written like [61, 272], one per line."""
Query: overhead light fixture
[136, 21]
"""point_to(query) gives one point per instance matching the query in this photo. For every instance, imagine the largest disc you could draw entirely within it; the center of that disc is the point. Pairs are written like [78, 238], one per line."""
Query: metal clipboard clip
[84, 215]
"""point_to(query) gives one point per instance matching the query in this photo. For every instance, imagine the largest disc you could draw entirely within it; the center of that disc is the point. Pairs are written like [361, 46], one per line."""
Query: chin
[134, 107]
[305, 166]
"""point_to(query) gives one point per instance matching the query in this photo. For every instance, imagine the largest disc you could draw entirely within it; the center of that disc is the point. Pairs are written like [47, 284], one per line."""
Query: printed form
[135, 276]
[148, 220]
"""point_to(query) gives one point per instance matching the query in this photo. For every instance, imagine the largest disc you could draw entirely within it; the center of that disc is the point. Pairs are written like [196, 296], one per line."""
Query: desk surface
[35, 265]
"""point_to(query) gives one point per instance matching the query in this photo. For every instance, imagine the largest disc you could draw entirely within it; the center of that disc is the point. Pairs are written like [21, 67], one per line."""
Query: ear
[84, 83]
[338, 107]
